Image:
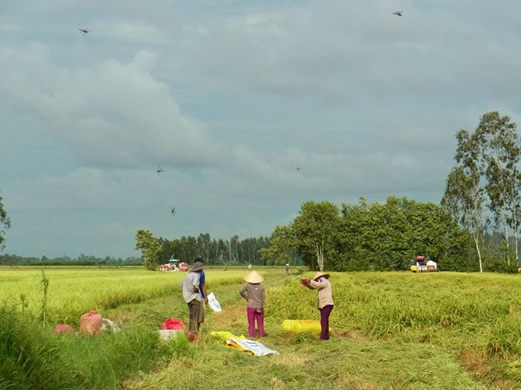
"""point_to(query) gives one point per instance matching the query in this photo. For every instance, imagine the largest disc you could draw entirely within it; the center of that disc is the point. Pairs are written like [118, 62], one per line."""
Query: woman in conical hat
[255, 294]
[325, 302]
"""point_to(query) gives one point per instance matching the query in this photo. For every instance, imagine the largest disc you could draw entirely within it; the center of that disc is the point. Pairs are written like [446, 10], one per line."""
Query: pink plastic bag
[64, 328]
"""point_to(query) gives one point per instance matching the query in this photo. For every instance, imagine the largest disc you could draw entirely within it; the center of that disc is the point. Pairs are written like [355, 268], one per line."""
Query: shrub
[29, 356]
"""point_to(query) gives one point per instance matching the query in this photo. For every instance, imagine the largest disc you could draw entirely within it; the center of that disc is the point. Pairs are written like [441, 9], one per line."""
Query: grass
[389, 331]
[33, 357]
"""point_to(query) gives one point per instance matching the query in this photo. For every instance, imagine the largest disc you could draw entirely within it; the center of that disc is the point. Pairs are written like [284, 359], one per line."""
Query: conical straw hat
[320, 274]
[253, 277]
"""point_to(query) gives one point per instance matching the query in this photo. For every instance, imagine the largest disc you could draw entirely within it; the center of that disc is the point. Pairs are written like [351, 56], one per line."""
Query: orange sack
[91, 323]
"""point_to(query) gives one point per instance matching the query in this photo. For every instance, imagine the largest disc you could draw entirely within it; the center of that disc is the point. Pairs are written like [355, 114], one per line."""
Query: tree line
[213, 251]
[366, 236]
[82, 260]
[474, 228]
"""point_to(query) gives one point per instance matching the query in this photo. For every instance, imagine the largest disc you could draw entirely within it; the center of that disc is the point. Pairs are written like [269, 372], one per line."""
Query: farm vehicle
[420, 264]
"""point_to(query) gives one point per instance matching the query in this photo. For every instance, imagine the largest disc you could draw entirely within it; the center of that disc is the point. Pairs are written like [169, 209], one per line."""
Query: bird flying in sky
[172, 210]
[84, 30]
[398, 13]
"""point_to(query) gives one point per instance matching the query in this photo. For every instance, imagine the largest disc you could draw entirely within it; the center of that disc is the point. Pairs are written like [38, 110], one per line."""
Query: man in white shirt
[193, 298]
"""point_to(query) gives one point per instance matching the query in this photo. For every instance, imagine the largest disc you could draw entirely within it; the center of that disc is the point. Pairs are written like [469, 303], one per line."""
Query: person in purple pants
[255, 294]
[325, 303]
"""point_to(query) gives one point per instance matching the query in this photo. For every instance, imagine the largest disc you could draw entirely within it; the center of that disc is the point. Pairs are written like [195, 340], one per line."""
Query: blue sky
[228, 98]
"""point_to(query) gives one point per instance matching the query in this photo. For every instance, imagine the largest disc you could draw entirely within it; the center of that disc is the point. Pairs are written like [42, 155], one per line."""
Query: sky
[246, 108]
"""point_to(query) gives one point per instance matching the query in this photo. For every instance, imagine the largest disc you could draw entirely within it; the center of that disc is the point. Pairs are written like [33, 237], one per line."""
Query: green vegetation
[213, 251]
[66, 261]
[150, 248]
[390, 330]
[32, 357]
[378, 237]
[484, 186]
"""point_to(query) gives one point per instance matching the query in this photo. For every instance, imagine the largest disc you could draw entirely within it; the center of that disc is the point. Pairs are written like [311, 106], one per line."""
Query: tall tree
[500, 155]
[282, 249]
[5, 223]
[149, 247]
[234, 249]
[188, 248]
[432, 231]
[315, 229]
[203, 245]
[221, 251]
[389, 231]
[464, 195]
[354, 235]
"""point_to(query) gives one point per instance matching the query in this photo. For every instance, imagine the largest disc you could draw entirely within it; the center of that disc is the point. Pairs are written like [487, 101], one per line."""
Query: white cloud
[112, 113]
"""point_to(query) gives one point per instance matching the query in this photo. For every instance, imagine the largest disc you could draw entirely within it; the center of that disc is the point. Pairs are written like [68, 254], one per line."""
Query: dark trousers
[324, 321]
[194, 309]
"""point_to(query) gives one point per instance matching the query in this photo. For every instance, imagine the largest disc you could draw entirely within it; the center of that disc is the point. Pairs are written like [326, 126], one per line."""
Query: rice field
[73, 291]
[421, 331]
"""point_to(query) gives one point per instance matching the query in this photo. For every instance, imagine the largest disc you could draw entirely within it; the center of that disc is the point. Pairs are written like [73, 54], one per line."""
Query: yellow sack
[300, 326]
